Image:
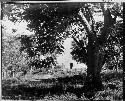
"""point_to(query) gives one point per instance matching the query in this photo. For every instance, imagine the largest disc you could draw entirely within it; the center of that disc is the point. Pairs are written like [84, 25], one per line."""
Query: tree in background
[14, 64]
[12, 61]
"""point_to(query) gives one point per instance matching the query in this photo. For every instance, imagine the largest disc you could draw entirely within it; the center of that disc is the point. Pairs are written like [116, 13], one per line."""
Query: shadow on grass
[60, 86]
[24, 91]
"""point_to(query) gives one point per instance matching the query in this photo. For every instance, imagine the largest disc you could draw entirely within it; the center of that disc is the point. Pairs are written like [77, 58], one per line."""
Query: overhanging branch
[91, 35]
[85, 22]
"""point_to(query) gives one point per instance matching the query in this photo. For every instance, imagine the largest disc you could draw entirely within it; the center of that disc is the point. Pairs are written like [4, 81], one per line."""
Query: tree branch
[84, 22]
[91, 35]
[91, 17]
[77, 42]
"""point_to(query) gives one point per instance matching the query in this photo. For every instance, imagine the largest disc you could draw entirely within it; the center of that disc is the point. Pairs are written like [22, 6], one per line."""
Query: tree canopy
[50, 21]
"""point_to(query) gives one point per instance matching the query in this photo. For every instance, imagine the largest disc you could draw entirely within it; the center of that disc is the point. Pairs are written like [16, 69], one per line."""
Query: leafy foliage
[49, 22]
[79, 55]
[13, 12]
[12, 60]
[44, 20]
[114, 46]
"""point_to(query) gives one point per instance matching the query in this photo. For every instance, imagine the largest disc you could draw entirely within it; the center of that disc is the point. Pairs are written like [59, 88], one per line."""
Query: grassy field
[62, 88]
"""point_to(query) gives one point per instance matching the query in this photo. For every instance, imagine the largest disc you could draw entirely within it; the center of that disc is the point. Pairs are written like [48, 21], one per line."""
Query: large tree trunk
[93, 80]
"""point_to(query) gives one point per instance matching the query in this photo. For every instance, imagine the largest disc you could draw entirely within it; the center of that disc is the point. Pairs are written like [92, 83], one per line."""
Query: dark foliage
[48, 21]
[76, 79]
[112, 86]
[79, 54]
[46, 63]
[114, 46]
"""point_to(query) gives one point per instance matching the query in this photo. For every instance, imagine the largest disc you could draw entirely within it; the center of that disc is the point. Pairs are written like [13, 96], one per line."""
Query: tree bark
[93, 80]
